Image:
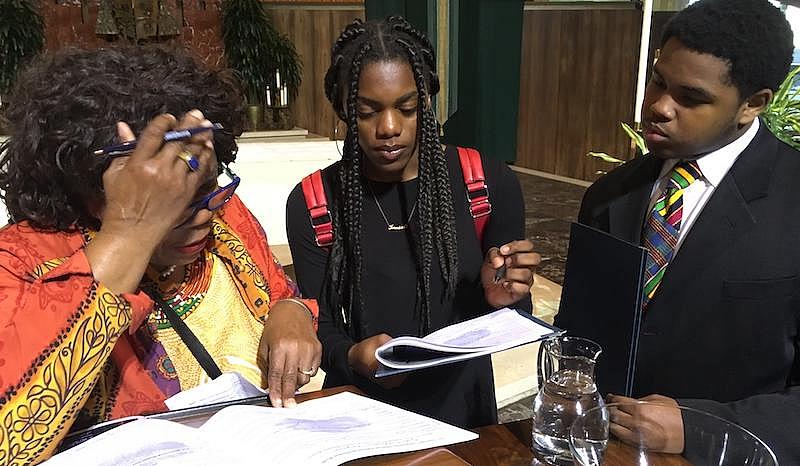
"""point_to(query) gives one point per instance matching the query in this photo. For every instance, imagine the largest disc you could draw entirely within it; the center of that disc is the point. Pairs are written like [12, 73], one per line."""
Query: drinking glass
[708, 440]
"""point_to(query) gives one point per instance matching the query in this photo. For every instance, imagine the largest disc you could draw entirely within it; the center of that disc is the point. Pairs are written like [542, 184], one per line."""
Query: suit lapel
[627, 213]
[727, 216]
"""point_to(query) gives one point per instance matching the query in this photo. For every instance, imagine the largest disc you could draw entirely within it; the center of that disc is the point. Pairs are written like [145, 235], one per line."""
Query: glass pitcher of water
[566, 390]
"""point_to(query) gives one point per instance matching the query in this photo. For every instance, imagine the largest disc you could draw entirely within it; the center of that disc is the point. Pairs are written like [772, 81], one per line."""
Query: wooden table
[501, 444]
[509, 444]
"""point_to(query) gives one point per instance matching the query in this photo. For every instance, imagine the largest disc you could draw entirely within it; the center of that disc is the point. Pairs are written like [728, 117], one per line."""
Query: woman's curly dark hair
[66, 104]
[753, 36]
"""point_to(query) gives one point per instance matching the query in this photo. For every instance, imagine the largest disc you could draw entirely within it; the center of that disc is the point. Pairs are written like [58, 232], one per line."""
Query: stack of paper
[325, 431]
[501, 330]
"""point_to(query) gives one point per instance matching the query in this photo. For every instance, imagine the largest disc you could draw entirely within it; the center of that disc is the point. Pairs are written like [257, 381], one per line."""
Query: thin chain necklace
[391, 226]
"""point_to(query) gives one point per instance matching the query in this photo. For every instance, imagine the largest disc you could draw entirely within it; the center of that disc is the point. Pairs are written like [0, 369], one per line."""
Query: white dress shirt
[714, 166]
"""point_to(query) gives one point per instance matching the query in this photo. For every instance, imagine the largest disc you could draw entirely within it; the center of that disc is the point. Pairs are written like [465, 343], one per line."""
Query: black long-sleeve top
[461, 393]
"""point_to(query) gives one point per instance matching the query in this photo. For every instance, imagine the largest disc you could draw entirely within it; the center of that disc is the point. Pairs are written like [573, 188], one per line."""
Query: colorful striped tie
[663, 225]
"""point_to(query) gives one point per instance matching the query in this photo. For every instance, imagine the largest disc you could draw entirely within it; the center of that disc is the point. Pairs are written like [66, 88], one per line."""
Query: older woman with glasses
[130, 270]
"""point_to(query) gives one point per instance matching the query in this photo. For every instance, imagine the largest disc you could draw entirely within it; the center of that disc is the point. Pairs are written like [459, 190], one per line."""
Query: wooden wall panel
[313, 31]
[65, 26]
[315, 3]
[578, 81]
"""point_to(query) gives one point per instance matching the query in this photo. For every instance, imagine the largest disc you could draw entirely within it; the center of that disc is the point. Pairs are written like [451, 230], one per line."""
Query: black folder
[602, 300]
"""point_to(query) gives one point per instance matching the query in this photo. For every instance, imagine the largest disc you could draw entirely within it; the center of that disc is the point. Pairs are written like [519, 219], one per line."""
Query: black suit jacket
[721, 332]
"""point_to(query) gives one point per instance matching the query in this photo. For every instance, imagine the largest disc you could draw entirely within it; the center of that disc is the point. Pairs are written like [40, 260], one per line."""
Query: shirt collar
[715, 165]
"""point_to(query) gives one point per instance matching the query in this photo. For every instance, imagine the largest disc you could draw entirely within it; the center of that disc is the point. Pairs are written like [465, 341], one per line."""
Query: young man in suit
[720, 321]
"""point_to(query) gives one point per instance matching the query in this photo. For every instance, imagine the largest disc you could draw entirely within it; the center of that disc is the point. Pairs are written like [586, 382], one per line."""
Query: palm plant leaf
[21, 38]
[605, 157]
[782, 116]
[256, 49]
[635, 137]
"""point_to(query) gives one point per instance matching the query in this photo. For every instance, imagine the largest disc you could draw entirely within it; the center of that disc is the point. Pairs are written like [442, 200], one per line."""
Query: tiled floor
[522, 409]
[550, 207]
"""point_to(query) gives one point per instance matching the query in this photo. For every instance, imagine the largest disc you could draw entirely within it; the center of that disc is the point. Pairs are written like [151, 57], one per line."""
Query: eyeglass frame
[203, 203]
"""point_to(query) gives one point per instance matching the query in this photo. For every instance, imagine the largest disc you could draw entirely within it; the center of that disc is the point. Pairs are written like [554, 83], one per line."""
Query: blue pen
[170, 136]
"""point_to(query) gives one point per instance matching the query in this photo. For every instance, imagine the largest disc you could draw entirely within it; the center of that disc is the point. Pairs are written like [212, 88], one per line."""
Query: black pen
[500, 273]
[178, 135]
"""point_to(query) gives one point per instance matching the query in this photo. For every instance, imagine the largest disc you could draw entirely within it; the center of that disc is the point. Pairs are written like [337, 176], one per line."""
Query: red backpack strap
[477, 191]
[317, 204]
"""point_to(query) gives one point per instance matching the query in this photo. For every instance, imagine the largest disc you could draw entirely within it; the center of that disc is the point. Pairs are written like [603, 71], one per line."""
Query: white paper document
[230, 386]
[501, 330]
[325, 431]
[227, 388]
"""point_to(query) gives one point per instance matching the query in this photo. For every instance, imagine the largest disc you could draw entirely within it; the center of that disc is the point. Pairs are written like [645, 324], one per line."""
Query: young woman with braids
[406, 259]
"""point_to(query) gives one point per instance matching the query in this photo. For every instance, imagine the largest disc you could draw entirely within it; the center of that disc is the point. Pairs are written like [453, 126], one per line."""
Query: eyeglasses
[227, 182]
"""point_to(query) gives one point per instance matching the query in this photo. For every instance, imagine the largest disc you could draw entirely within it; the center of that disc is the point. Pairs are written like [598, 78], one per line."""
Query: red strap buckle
[324, 235]
[317, 204]
[477, 191]
[479, 205]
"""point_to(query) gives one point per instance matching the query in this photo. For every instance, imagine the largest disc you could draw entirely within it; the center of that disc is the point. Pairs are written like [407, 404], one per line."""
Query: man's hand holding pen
[507, 272]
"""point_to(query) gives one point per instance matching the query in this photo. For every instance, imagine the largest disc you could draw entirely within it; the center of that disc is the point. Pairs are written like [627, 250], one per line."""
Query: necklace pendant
[393, 227]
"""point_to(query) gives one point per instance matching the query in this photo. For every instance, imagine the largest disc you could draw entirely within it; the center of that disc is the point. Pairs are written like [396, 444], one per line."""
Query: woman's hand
[150, 190]
[520, 262]
[361, 357]
[657, 425]
[146, 194]
[289, 352]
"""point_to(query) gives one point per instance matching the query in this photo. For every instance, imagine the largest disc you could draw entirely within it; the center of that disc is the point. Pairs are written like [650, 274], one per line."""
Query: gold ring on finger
[190, 160]
[308, 372]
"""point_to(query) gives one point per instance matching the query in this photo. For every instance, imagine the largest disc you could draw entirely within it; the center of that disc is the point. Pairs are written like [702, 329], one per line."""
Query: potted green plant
[782, 116]
[636, 139]
[265, 59]
[288, 70]
[21, 38]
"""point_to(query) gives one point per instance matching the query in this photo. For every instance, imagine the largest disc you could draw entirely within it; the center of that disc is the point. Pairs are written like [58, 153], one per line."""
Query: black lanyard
[187, 336]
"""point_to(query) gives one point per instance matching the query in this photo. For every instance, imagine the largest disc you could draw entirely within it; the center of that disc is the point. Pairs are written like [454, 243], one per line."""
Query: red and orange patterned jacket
[69, 347]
